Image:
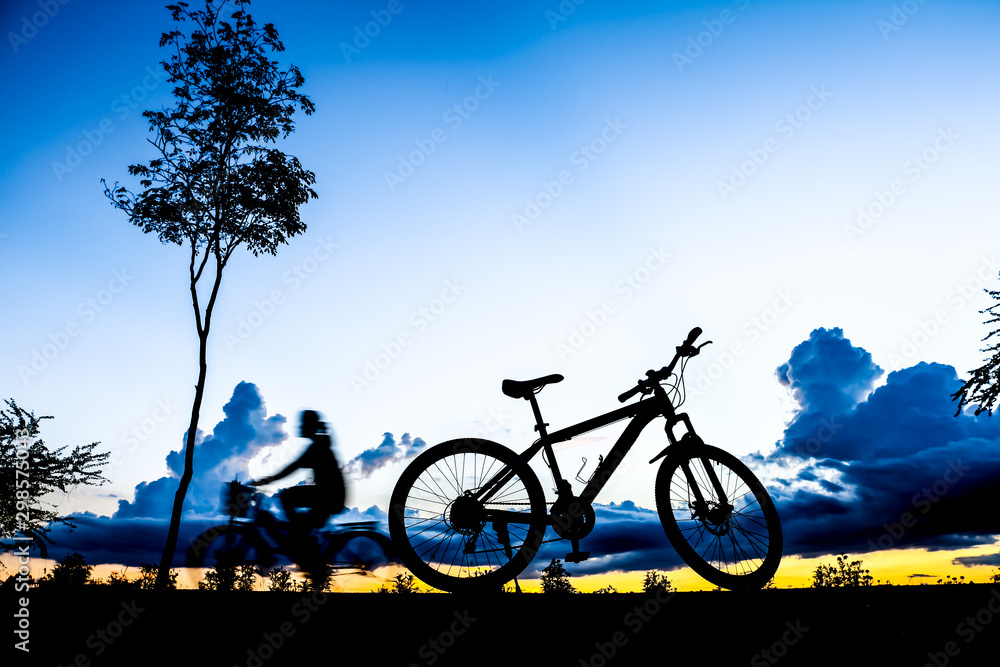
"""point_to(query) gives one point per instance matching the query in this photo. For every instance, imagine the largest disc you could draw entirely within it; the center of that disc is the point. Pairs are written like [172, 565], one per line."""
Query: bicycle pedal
[577, 556]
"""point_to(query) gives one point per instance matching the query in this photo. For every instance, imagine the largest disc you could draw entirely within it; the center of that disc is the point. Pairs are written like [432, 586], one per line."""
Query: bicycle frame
[268, 525]
[641, 414]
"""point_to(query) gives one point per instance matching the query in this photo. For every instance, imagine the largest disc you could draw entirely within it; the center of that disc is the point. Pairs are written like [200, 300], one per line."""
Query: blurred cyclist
[309, 506]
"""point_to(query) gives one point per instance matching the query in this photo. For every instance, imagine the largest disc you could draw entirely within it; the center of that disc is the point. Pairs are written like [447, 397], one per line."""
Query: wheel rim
[737, 539]
[226, 545]
[447, 529]
[361, 553]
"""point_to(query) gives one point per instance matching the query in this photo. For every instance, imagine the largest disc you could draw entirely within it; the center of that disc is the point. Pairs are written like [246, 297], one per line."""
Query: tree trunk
[203, 325]
[163, 574]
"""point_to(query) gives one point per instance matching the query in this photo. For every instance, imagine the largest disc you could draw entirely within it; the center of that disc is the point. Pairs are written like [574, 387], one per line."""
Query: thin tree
[983, 388]
[216, 183]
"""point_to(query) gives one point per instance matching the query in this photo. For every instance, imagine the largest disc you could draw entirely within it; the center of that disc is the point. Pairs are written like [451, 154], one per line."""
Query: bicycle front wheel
[453, 541]
[365, 550]
[229, 546]
[734, 542]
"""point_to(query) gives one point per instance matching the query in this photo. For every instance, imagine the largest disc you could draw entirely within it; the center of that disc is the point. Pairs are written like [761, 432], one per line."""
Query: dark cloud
[626, 538]
[992, 560]
[126, 541]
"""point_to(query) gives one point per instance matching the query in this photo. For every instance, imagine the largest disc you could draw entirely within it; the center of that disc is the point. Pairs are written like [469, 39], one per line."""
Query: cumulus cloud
[387, 451]
[860, 470]
[219, 457]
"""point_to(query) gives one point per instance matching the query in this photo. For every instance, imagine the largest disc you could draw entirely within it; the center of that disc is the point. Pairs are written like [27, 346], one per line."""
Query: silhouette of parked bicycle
[469, 514]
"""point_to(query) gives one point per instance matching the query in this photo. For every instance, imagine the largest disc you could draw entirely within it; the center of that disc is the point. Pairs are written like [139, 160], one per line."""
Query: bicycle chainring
[572, 518]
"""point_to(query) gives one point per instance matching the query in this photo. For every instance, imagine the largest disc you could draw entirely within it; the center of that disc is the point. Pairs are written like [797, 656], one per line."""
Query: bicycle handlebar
[692, 335]
[685, 349]
[632, 392]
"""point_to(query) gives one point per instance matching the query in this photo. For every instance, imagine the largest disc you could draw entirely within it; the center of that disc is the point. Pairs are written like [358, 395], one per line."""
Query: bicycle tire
[362, 550]
[431, 538]
[247, 547]
[737, 551]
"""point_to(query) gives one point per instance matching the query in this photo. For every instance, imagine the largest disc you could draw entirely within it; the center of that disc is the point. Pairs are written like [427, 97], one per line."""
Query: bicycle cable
[676, 387]
[680, 386]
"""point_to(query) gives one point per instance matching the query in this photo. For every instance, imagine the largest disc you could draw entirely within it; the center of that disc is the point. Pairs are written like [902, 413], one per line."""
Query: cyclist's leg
[298, 503]
[294, 498]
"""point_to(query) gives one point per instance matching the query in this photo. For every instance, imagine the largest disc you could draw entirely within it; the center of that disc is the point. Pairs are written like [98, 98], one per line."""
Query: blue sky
[510, 195]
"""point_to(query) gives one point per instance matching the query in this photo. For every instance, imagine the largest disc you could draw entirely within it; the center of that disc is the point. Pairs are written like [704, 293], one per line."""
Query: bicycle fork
[687, 449]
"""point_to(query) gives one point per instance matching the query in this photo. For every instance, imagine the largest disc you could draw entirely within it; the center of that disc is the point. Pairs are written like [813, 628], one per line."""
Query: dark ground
[921, 625]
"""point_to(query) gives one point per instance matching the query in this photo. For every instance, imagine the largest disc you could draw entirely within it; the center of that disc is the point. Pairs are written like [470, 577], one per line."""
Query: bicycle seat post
[539, 424]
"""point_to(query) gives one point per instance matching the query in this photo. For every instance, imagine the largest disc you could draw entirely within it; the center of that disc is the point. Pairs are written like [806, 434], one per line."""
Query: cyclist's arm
[278, 475]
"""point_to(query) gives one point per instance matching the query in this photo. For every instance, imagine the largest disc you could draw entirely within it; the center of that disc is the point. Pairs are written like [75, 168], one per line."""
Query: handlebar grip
[629, 394]
[692, 336]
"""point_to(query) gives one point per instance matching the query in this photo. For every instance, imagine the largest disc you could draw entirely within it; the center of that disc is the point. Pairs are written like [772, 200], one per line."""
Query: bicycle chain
[511, 502]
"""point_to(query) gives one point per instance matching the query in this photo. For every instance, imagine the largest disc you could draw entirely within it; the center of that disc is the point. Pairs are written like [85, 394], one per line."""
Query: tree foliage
[217, 182]
[983, 388]
[844, 575]
[555, 579]
[30, 472]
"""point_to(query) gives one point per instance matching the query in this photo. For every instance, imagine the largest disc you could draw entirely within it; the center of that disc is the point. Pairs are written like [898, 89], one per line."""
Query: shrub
[844, 575]
[555, 579]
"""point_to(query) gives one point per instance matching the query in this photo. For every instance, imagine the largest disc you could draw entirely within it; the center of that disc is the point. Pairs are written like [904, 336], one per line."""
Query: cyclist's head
[311, 424]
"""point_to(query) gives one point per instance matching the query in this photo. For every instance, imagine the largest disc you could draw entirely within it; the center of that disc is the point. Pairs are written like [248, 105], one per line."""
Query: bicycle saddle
[525, 388]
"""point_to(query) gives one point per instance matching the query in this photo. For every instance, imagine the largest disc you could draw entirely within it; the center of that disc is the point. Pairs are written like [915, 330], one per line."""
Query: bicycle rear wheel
[735, 545]
[449, 539]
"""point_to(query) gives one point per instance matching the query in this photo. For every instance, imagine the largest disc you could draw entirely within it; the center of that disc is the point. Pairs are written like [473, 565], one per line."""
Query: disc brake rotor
[716, 518]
